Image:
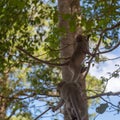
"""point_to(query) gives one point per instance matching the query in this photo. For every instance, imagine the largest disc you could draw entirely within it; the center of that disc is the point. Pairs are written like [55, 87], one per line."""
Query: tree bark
[2, 109]
[3, 101]
[70, 7]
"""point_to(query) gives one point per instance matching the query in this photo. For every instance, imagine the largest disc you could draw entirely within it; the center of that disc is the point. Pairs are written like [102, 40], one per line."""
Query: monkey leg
[76, 74]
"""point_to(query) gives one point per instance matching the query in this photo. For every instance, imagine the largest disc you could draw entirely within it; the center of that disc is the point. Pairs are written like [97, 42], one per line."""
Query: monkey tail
[76, 108]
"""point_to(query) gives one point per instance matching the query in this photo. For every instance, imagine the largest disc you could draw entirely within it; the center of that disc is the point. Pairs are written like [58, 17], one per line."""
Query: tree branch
[116, 107]
[117, 70]
[104, 94]
[112, 27]
[41, 61]
[42, 113]
[107, 59]
[117, 45]
[99, 42]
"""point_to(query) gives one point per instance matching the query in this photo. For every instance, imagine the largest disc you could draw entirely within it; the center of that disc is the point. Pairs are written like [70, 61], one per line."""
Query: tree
[30, 34]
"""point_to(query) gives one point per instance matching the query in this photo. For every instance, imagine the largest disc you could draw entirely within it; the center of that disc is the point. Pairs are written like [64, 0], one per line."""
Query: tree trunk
[3, 101]
[2, 109]
[71, 7]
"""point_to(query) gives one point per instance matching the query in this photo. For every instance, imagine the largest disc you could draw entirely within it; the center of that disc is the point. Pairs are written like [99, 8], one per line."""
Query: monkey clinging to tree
[79, 54]
[70, 95]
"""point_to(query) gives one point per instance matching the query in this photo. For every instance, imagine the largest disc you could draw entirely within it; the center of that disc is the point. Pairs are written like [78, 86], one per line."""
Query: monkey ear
[79, 38]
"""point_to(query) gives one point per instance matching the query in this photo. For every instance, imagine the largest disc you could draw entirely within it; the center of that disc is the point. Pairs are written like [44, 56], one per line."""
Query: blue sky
[114, 84]
[102, 69]
[110, 115]
[99, 70]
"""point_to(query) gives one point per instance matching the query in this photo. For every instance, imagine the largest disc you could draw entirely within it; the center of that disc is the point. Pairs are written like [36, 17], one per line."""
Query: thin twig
[110, 78]
[104, 94]
[113, 58]
[117, 45]
[107, 59]
[41, 61]
[99, 42]
[42, 113]
[112, 27]
[60, 48]
[109, 103]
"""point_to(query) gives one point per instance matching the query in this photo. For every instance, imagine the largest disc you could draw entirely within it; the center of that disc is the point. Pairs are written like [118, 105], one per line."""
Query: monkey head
[59, 86]
[81, 38]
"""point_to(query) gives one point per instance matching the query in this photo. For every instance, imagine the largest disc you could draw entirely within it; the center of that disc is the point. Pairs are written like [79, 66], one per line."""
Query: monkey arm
[60, 103]
[75, 105]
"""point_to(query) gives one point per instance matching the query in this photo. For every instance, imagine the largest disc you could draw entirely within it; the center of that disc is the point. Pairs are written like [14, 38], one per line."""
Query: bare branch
[116, 107]
[117, 70]
[42, 113]
[112, 27]
[117, 45]
[104, 94]
[41, 61]
[110, 59]
[99, 42]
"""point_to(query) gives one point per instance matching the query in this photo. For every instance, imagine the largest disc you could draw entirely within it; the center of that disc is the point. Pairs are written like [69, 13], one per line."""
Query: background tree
[32, 25]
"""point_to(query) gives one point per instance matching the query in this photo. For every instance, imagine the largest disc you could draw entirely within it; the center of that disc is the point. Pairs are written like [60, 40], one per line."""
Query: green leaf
[102, 108]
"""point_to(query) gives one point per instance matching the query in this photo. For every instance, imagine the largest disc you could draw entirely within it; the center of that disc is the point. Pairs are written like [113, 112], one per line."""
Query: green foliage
[26, 24]
[33, 25]
[102, 108]
[24, 116]
[99, 15]
[93, 81]
[94, 86]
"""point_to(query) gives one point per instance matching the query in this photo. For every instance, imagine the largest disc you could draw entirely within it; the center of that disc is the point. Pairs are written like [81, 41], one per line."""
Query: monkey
[74, 62]
[78, 56]
[69, 110]
[71, 96]
[68, 107]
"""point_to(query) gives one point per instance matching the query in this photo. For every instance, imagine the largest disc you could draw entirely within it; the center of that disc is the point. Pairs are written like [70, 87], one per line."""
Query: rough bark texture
[3, 101]
[2, 109]
[69, 7]
[64, 8]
